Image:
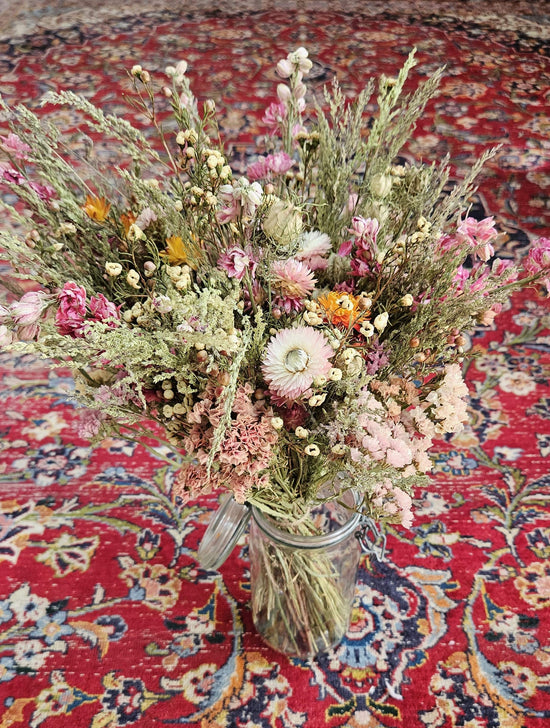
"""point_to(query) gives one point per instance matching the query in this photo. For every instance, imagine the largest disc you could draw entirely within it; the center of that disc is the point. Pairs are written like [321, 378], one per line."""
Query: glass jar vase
[303, 577]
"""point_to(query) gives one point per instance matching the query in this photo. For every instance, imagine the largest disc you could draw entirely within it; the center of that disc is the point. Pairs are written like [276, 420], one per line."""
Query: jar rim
[269, 527]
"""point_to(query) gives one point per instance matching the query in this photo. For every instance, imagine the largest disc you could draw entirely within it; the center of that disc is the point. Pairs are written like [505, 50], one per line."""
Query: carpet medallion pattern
[106, 618]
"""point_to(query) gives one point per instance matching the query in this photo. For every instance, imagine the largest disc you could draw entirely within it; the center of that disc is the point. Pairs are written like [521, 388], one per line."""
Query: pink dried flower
[313, 249]
[69, 318]
[102, 309]
[291, 282]
[538, 260]
[274, 116]
[272, 165]
[478, 234]
[13, 145]
[30, 307]
[505, 270]
[294, 357]
[236, 262]
[146, 217]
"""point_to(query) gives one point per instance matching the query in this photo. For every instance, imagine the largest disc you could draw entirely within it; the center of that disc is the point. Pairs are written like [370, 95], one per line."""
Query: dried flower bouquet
[273, 330]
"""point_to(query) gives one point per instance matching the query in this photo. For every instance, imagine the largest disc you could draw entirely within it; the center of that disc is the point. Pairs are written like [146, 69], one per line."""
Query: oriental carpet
[106, 618]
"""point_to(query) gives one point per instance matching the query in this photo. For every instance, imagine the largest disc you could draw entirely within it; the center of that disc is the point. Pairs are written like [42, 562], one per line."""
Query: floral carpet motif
[106, 618]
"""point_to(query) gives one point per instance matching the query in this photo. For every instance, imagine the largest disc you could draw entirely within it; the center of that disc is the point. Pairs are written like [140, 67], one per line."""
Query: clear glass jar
[303, 582]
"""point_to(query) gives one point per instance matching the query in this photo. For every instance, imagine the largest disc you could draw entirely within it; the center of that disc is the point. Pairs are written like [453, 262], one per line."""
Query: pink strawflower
[291, 282]
[313, 249]
[478, 234]
[13, 145]
[101, 309]
[70, 316]
[538, 260]
[294, 357]
[30, 307]
[236, 262]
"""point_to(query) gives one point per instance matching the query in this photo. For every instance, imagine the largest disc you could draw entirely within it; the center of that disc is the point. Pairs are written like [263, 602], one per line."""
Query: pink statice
[448, 402]
[12, 176]
[291, 281]
[236, 262]
[272, 165]
[101, 309]
[478, 234]
[274, 116]
[71, 314]
[293, 358]
[14, 146]
[538, 261]
[394, 502]
[30, 307]
[313, 249]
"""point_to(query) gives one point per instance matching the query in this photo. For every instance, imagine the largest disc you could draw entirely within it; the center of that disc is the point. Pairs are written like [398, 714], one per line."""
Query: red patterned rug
[105, 617]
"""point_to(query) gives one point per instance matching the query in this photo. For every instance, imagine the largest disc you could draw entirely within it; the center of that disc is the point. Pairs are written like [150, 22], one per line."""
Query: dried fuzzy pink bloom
[271, 165]
[313, 249]
[292, 281]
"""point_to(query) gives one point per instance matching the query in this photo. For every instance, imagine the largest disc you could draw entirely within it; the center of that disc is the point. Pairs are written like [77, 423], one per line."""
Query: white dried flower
[381, 321]
[316, 400]
[277, 423]
[335, 374]
[319, 381]
[406, 300]
[312, 450]
[381, 185]
[338, 449]
[133, 278]
[301, 432]
[366, 329]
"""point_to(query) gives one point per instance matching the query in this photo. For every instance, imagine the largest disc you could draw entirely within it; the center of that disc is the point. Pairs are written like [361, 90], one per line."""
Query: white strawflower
[113, 269]
[294, 357]
[277, 423]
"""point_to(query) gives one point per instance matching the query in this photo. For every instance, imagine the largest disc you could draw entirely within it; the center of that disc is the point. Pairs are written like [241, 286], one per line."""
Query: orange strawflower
[97, 208]
[342, 309]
